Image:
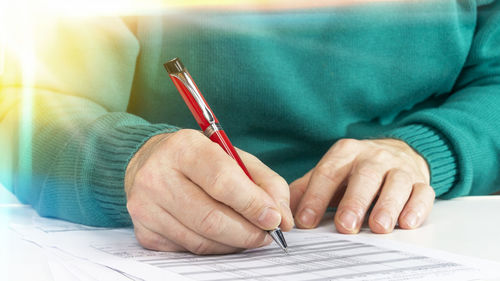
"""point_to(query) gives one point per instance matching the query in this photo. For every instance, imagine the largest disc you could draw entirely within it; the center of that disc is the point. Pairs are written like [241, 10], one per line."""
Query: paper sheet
[67, 267]
[314, 255]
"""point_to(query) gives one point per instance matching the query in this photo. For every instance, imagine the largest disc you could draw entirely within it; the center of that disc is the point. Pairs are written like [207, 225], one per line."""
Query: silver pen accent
[177, 70]
[278, 237]
[189, 84]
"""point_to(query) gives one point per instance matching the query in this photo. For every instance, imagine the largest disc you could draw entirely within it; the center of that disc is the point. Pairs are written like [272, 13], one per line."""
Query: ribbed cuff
[116, 149]
[435, 149]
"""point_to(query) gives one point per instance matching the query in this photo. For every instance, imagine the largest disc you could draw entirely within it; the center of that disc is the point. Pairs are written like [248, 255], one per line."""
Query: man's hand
[185, 193]
[352, 174]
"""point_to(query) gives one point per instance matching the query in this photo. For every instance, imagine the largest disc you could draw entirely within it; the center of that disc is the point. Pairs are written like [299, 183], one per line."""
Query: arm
[95, 164]
[82, 139]
[457, 135]
[463, 159]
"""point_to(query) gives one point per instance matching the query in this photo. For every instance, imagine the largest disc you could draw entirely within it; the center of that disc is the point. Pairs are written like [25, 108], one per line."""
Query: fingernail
[269, 218]
[349, 220]
[411, 219]
[307, 217]
[383, 219]
[288, 212]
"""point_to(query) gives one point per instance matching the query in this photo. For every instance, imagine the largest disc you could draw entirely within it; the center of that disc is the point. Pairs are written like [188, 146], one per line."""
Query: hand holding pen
[185, 193]
[209, 124]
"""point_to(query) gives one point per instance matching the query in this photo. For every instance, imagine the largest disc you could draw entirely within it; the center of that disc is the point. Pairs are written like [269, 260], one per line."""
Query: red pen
[208, 122]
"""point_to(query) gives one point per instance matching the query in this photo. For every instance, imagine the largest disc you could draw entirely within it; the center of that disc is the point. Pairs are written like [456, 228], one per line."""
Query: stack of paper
[78, 252]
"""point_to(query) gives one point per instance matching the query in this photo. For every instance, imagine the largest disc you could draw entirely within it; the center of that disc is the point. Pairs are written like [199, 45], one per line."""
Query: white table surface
[467, 226]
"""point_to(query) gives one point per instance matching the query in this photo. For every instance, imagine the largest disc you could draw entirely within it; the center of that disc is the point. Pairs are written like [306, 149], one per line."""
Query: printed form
[314, 255]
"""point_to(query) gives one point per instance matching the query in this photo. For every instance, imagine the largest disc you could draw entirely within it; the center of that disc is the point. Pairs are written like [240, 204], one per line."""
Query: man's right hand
[185, 193]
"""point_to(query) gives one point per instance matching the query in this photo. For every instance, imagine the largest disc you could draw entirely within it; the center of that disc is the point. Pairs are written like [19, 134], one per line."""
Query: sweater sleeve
[460, 138]
[67, 138]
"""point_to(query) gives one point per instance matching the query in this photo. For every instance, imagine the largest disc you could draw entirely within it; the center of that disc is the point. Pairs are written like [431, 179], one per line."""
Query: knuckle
[357, 203]
[153, 182]
[430, 191]
[175, 140]
[135, 209]
[203, 247]
[185, 135]
[425, 196]
[131, 207]
[250, 205]
[381, 155]
[179, 235]
[327, 170]
[369, 172]
[425, 189]
[347, 144]
[401, 176]
[253, 239]
[211, 225]
[221, 181]
[248, 157]
[278, 180]
[279, 184]
[177, 143]
[146, 241]
[143, 177]
[315, 200]
[402, 154]
[389, 203]
[421, 204]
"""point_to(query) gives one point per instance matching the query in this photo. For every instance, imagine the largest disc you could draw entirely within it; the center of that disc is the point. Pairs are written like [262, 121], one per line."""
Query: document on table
[314, 255]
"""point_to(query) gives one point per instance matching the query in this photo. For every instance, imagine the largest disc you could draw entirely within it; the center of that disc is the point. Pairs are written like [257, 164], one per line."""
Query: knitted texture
[434, 148]
[286, 85]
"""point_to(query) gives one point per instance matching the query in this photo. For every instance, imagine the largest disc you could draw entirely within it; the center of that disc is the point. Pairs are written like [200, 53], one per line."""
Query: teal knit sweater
[286, 85]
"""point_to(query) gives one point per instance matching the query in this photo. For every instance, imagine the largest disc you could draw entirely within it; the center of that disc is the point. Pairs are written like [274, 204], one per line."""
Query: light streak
[2, 36]
[28, 67]
[2, 56]
[92, 8]
[18, 43]
[262, 5]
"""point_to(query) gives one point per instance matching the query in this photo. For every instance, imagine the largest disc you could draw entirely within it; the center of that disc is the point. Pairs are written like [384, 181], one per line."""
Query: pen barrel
[219, 136]
[221, 139]
[192, 104]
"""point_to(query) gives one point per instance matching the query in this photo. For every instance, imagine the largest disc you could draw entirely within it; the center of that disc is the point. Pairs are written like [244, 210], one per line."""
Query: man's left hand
[353, 174]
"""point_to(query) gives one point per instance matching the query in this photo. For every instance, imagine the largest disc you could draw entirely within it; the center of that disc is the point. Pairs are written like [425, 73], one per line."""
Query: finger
[418, 207]
[339, 194]
[154, 241]
[324, 182]
[393, 197]
[189, 204]
[273, 184]
[159, 221]
[363, 184]
[190, 240]
[207, 165]
[297, 190]
[326, 178]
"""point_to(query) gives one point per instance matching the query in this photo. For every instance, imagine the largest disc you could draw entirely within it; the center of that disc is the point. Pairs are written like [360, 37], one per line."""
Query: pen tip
[278, 237]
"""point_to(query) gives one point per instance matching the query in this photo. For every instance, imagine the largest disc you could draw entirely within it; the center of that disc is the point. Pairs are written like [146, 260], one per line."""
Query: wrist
[420, 161]
[140, 157]
[435, 148]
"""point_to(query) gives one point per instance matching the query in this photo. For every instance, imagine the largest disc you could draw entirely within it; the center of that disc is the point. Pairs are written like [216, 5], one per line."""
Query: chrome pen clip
[176, 69]
[189, 84]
